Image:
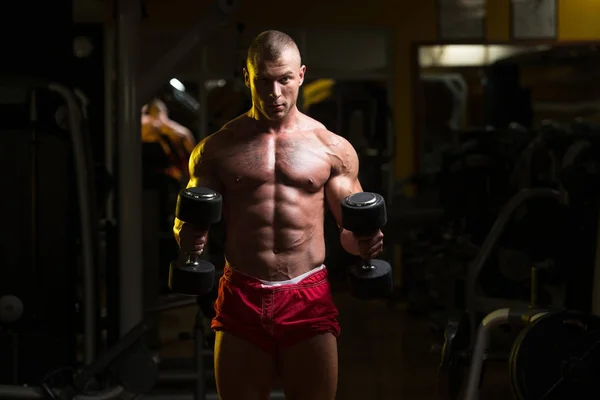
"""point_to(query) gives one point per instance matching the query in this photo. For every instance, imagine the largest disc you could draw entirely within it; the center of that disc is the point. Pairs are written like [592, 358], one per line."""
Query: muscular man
[277, 170]
[157, 115]
[176, 140]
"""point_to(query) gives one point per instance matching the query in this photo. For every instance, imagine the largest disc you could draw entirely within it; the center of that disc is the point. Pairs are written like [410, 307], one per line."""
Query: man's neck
[287, 123]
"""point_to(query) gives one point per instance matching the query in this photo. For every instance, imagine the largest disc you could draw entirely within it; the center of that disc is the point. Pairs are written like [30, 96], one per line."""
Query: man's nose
[275, 91]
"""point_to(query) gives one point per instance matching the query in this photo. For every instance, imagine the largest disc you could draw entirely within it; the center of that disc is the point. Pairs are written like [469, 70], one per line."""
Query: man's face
[275, 84]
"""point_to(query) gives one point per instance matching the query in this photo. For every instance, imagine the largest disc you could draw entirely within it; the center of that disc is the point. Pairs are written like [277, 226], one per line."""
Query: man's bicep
[344, 178]
[202, 169]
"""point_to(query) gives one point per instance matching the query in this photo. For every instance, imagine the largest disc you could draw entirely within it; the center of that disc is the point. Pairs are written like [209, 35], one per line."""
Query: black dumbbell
[364, 214]
[199, 207]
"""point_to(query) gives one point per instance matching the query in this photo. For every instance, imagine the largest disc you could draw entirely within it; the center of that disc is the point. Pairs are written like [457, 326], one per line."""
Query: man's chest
[300, 163]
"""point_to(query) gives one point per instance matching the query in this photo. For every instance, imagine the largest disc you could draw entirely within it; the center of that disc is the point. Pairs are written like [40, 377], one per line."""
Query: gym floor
[384, 353]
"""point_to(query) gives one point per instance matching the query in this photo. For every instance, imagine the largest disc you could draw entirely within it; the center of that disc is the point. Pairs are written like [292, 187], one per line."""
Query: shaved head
[157, 107]
[270, 46]
[274, 74]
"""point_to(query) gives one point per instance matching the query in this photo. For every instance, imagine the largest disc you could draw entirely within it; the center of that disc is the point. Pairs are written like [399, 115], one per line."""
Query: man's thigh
[242, 370]
[309, 369]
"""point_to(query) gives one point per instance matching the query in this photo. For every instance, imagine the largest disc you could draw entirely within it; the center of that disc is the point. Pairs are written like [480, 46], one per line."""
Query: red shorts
[275, 315]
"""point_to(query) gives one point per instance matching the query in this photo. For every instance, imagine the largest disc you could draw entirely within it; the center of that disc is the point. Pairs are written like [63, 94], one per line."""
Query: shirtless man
[176, 141]
[277, 169]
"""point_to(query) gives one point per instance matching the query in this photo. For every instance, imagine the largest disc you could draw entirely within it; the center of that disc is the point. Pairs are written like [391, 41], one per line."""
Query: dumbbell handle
[192, 259]
[367, 265]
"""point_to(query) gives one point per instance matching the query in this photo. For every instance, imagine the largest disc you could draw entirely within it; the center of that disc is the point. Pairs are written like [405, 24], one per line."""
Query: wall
[416, 22]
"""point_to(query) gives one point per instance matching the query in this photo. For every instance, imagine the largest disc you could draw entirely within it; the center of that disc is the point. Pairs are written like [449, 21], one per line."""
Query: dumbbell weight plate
[364, 213]
[199, 206]
[192, 280]
[373, 283]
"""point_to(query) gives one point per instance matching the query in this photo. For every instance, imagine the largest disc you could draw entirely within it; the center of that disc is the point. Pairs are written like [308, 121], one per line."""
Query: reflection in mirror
[225, 100]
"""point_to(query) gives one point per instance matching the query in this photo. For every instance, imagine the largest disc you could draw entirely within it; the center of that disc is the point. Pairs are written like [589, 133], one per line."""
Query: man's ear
[246, 77]
[302, 72]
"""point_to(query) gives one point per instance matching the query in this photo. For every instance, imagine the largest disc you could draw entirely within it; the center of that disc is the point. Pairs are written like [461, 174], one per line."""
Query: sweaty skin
[274, 188]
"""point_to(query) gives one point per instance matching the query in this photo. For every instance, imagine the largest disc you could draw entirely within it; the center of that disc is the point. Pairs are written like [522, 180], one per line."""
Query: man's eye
[284, 80]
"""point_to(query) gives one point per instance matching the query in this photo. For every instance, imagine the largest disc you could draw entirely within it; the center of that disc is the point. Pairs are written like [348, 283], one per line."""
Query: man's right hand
[191, 239]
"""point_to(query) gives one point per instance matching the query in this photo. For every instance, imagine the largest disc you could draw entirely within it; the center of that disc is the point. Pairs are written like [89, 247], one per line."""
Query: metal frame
[129, 166]
[488, 324]
[275, 395]
[109, 112]
[24, 392]
[85, 199]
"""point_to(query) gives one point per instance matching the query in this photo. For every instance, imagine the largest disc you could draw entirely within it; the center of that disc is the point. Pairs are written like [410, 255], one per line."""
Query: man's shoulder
[341, 151]
[319, 130]
[332, 140]
[241, 123]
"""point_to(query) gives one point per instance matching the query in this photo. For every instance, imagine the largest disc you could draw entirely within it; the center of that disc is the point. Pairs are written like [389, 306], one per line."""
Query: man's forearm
[190, 232]
[177, 224]
[349, 243]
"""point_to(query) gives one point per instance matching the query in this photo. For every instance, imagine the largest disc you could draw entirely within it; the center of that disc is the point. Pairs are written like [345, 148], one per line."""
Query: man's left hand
[370, 246]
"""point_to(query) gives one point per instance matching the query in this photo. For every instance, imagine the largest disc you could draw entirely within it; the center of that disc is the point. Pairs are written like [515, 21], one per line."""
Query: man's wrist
[349, 243]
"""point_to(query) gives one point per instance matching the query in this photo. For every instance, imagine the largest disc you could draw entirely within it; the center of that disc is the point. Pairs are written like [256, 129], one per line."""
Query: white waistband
[293, 280]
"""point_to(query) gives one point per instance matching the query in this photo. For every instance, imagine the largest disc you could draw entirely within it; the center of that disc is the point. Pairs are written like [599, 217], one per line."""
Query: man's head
[274, 73]
[157, 108]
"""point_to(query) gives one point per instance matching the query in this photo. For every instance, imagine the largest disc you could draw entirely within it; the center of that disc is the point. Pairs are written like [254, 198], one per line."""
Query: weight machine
[129, 353]
[568, 370]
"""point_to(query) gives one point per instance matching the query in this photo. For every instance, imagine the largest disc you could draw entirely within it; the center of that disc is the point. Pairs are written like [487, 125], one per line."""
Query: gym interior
[475, 120]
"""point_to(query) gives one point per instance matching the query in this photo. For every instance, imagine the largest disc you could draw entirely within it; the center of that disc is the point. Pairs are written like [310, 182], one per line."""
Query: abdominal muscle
[274, 233]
